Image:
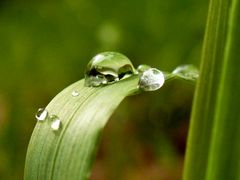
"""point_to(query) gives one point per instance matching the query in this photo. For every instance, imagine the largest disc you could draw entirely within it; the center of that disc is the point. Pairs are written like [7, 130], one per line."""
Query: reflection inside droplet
[108, 68]
[75, 93]
[41, 114]
[151, 80]
[55, 122]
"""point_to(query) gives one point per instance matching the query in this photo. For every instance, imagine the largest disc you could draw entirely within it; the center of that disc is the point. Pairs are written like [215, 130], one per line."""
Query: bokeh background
[46, 45]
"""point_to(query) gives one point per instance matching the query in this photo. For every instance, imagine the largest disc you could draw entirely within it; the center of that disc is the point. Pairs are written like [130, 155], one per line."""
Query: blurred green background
[45, 46]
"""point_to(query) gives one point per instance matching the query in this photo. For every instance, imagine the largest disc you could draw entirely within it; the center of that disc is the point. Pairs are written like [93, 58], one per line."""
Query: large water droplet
[151, 80]
[56, 122]
[107, 68]
[41, 114]
[95, 80]
[75, 93]
[187, 72]
[143, 67]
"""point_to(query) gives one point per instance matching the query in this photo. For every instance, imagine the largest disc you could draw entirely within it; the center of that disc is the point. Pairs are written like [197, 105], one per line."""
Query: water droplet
[188, 72]
[56, 122]
[41, 114]
[95, 80]
[143, 67]
[151, 80]
[75, 93]
[107, 68]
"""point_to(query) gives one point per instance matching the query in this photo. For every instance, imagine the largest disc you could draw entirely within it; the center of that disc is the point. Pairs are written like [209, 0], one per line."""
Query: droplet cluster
[43, 115]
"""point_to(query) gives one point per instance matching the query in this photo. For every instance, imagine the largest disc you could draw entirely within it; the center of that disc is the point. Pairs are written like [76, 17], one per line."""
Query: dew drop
[108, 68]
[188, 72]
[41, 114]
[143, 67]
[95, 80]
[151, 80]
[75, 93]
[56, 122]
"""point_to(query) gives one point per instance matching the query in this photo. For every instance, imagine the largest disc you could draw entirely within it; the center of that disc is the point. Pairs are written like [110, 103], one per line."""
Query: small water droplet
[41, 114]
[143, 67]
[151, 80]
[75, 93]
[56, 122]
[107, 68]
[188, 72]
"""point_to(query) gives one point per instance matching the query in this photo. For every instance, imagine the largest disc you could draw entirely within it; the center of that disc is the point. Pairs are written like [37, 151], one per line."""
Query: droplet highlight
[56, 122]
[151, 80]
[41, 114]
[187, 72]
[75, 93]
[107, 68]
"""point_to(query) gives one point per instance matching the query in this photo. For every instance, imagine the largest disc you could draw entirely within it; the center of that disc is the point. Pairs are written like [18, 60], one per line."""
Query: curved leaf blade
[69, 152]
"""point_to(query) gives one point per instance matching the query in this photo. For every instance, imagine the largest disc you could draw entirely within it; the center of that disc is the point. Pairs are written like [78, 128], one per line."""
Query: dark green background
[46, 45]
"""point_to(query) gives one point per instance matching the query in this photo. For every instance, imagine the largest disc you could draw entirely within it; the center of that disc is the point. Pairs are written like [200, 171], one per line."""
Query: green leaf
[213, 149]
[69, 152]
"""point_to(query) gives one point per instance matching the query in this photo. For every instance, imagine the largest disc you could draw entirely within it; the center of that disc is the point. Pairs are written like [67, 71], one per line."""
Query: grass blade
[213, 150]
[69, 152]
[224, 154]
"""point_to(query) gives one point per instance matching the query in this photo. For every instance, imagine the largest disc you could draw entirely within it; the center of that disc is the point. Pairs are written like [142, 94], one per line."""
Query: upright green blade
[213, 151]
[224, 154]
